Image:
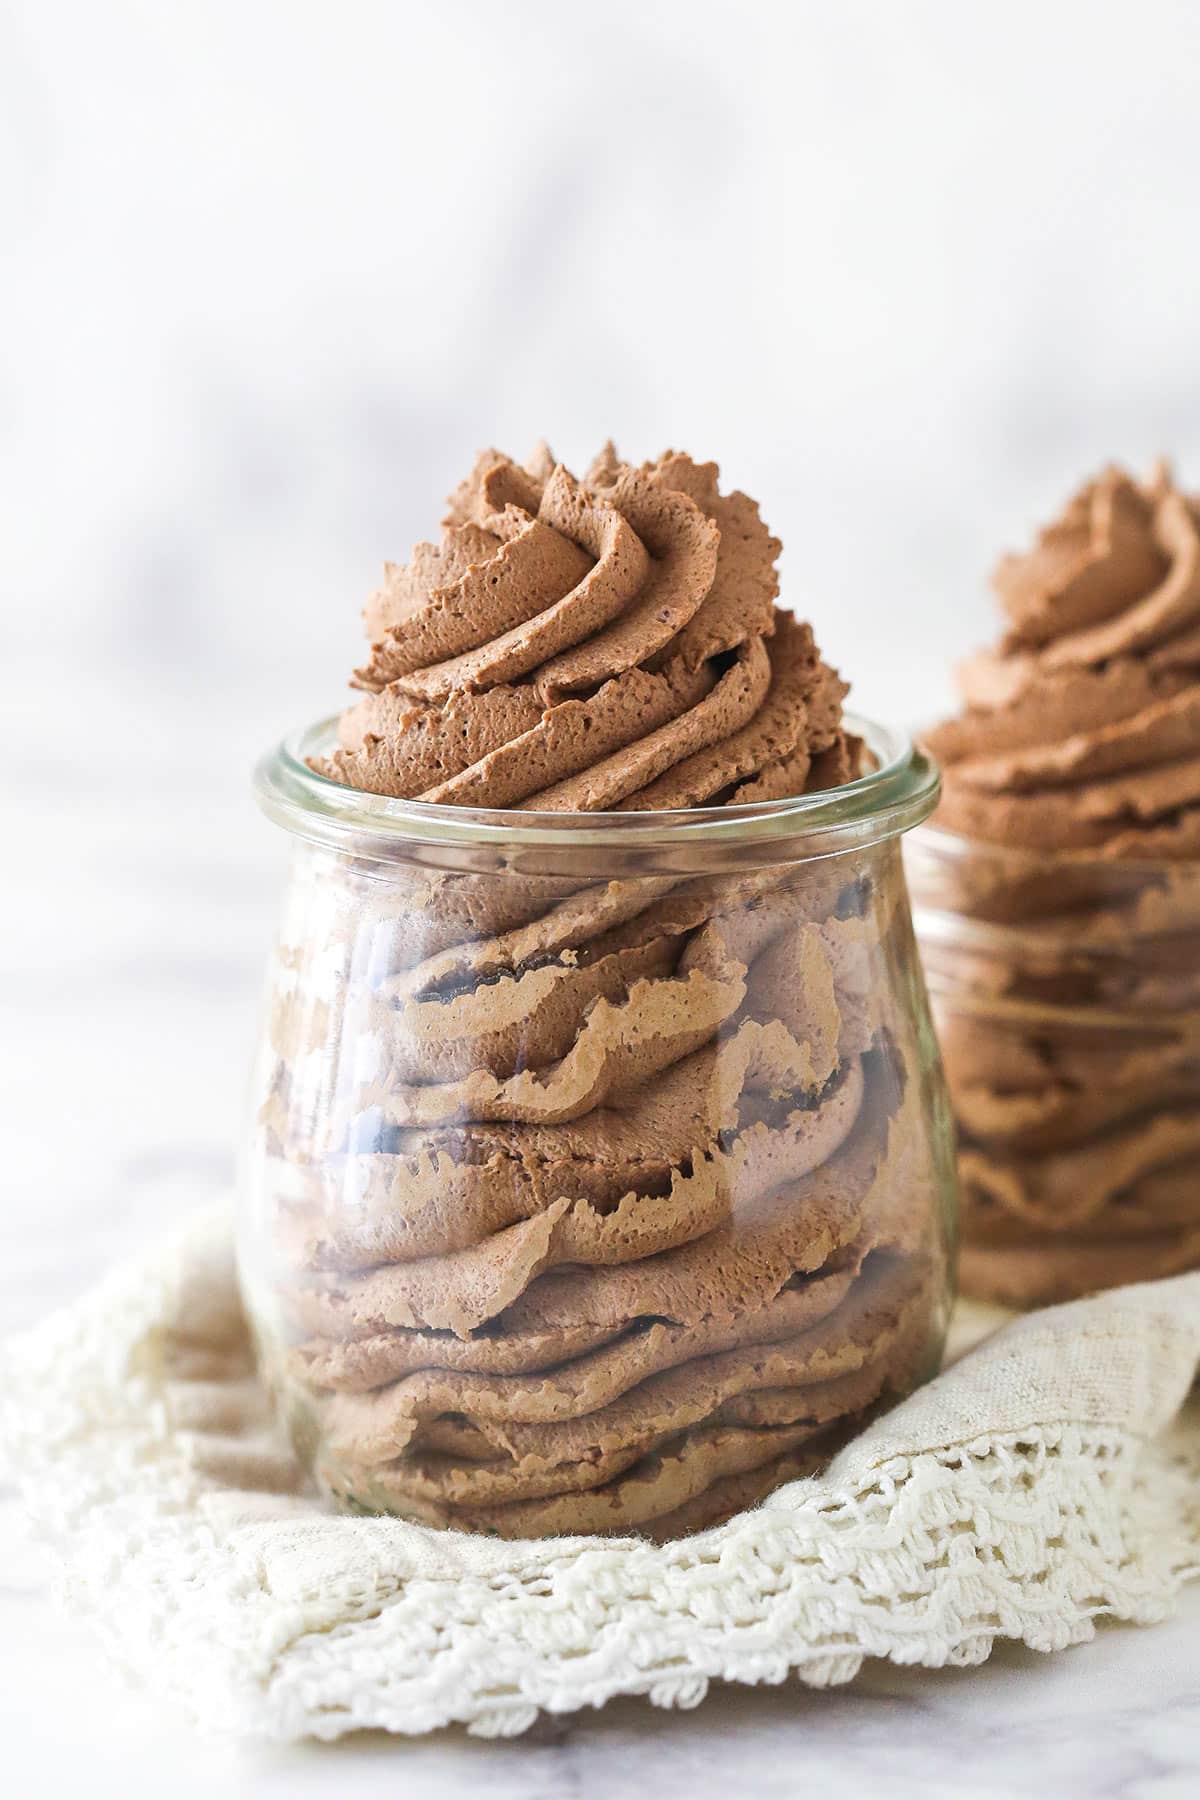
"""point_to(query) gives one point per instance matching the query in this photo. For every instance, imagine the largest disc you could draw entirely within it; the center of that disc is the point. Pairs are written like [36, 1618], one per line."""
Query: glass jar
[1066, 991]
[601, 1173]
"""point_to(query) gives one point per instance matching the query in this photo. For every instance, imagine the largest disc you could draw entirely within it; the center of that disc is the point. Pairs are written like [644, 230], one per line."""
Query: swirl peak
[604, 643]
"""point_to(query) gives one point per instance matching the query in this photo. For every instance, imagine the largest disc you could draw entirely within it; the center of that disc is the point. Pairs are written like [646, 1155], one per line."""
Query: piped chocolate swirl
[610, 643]
[1081, 731]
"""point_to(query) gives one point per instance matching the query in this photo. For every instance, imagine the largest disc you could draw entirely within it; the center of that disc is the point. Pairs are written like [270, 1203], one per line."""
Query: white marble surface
[279, 268]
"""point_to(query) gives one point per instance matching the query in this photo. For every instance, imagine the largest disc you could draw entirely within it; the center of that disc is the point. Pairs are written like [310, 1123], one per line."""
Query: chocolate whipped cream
[1071, 1021]
[605, 644]
[602, 1202]
[1082, 731]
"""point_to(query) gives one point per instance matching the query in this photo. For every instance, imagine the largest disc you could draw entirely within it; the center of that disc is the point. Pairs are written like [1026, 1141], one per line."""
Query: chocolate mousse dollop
[606, 1201]
[1082, 731]
[607, 644]
[1061, 926]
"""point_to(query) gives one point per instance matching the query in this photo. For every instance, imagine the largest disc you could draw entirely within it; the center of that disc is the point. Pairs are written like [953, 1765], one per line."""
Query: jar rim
[899, 792]
[940, 840]
[1117, 880]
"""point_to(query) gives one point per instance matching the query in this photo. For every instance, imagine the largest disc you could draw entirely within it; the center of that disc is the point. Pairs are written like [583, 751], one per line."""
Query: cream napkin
[1048, 1478]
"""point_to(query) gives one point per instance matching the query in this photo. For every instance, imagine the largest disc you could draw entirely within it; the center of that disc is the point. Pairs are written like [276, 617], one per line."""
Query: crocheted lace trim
[141, 1441]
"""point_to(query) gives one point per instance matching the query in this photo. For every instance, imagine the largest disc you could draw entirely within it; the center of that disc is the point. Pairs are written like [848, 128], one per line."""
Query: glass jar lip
[940, 924]
[940, 840]
[898, 793]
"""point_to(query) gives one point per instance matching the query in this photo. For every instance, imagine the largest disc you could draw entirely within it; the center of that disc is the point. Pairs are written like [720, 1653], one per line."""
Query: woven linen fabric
[1049, 1477]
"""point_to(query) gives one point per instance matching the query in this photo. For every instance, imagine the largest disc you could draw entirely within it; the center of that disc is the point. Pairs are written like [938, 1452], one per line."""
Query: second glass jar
[1066, 989]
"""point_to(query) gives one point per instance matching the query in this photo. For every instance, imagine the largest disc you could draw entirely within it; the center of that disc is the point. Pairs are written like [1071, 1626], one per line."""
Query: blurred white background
[273, 271]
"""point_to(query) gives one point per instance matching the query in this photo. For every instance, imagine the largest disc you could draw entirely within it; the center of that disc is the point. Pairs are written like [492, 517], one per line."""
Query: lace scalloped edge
[304, 1624]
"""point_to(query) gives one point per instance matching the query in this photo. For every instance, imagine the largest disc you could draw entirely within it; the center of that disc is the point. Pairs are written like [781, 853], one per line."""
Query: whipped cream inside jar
[1058, 905]
[600, 1175]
